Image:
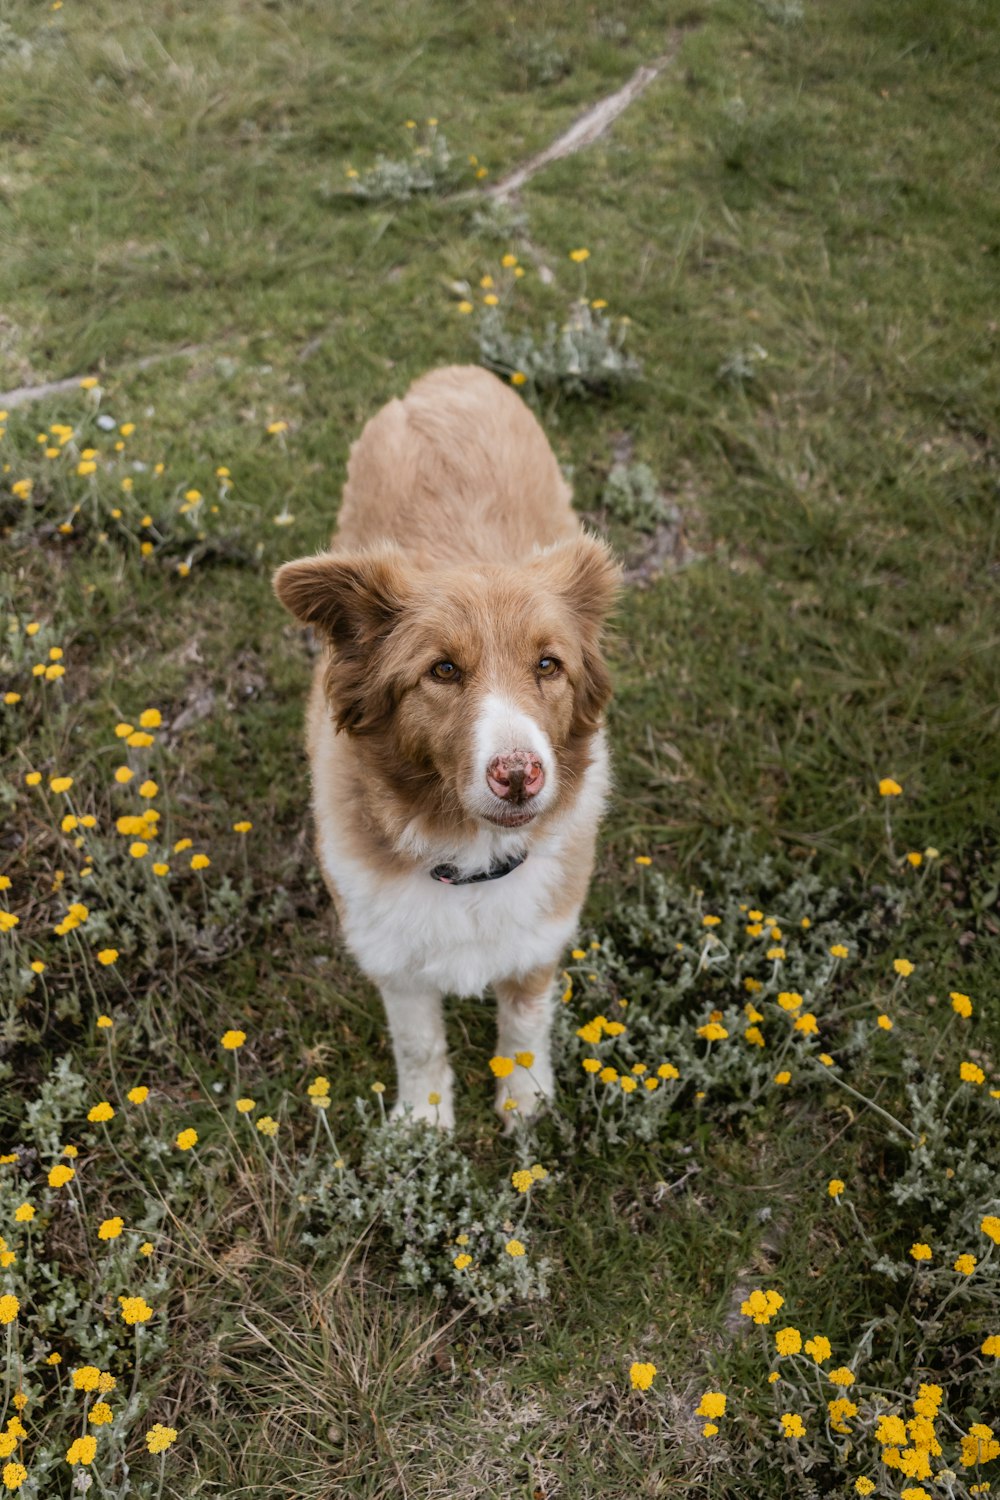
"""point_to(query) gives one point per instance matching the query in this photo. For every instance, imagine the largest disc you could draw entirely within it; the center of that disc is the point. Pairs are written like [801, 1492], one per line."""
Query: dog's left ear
[585, 575]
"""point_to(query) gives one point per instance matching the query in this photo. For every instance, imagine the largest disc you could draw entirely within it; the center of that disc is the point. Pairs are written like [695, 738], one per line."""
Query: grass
[819, 188]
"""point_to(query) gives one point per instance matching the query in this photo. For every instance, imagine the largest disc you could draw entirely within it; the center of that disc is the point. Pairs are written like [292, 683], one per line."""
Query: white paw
[525, 1092]
[434, 1104]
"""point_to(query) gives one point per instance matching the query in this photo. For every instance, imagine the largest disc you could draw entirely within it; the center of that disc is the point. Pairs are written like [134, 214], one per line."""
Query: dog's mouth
[511, 817]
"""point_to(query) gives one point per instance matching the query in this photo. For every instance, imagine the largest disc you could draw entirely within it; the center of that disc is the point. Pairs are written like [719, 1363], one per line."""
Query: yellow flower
[378, 1088]
[32, 778]
[146, 1248]
[101, 1112]
[807, 1024]
[232, 1040]
[200, 861]
[60, 783]
[991, 1345]
[11, 698]
[712, 1404]
[148, 789]
[884, 1022]
[138, 739]
[667, 1070]
[135, 1310]
[961, 1004]
[244, 1106]
[713, 1032]
[762, 1306]
[841, 1376]
[591, 1065]
[242, 827]
[159, 1438]
[629, 1085]
[889, 788]
[9, 1306]
[790, 1000]
[710, 921]
[8, 921]
[88, 382]
[101, 1414]
[138, 1095]
[461, 1261]
[826, 1059]
[518, 378]
[150, 718]
[82, 1450]
[267, 1126]
[524, 1059]
[792, 1425]
[783, 1078]
[991, 1226]
[60, 1175]
[139, 849]
[161, 869]
[864, 1486]
[186, 1139]
[641, 1375]
[491, 299]
[775, 953]
[915, 859]
[903, 967]
[835, 1187]
[70, 1151]
[107, 957]
[788, 1341]
[970, 1073]
[579, 255]
[965, 1265]
[920, 1251]
[979, 1446]
[14, 1475]
[24, 1214]
[514, 1248]
[608, 1075]
[501, 1067]
[111, 1228]
[522, 1180]
[819, 1348]
[464, 307]
[274, 429]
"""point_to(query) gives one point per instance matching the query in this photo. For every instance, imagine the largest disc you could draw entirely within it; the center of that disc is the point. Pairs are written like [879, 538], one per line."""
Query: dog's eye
[547, 667]
[445, 671]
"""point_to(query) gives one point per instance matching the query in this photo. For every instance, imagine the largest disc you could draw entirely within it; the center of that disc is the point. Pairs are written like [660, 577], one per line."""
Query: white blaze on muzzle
[514, 770]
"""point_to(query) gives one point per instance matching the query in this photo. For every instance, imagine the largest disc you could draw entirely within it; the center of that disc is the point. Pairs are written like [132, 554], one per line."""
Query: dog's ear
[350, 597]
[585, 576]
[354, 600]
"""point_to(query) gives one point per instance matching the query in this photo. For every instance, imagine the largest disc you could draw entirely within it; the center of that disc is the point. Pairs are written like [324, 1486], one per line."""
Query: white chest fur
[457, 939]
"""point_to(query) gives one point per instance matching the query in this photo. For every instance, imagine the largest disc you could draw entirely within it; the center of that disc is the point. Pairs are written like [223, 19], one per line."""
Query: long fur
[456, 542]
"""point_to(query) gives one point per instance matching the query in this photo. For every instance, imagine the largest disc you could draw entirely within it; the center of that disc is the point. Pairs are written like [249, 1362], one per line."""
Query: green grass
[174, 177]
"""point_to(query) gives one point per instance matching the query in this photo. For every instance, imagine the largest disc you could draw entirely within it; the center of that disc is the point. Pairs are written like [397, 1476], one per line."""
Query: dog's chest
[456, 939]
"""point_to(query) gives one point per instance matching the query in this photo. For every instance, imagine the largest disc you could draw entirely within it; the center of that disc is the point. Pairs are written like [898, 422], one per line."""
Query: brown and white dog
[459, 765]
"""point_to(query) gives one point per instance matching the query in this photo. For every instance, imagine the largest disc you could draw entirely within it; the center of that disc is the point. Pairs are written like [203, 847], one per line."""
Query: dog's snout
[517, 776]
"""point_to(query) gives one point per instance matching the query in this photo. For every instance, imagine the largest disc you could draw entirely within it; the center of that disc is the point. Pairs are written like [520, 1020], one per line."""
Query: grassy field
[797, 218]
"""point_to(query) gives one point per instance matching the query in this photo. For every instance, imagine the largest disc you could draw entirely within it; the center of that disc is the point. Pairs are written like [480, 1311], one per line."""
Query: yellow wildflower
[641, 1375]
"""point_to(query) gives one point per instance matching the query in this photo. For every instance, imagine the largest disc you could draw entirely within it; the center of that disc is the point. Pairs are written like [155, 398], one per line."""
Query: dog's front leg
[524, 1021]
[416, 1025]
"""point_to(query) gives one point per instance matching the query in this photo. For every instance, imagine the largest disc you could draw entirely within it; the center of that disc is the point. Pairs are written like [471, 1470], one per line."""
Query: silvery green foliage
[586, 355]
[499, 219]
[783, 12]
[632, 496]
[426, 170]
[742, 366]
[674, 975]
[418, 1183]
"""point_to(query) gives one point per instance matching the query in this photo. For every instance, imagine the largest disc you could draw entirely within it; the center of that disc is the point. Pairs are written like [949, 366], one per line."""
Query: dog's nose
[517, 776]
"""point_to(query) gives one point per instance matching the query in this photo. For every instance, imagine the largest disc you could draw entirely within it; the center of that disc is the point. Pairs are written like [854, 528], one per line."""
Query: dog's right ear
[352, 598]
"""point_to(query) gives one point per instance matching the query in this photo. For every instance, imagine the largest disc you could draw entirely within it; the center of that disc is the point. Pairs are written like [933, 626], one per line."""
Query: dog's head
[478, 687]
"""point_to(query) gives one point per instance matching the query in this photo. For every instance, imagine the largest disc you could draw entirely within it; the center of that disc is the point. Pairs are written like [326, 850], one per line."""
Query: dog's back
[457, 471]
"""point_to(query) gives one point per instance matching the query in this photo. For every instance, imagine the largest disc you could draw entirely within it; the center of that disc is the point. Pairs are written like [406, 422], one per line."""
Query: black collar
[448, 874]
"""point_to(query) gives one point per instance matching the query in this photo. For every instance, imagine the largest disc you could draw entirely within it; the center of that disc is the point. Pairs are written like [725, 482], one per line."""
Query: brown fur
[450, 495]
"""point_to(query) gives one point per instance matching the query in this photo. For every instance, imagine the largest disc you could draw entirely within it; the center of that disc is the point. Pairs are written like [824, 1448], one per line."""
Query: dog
[455, 724]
